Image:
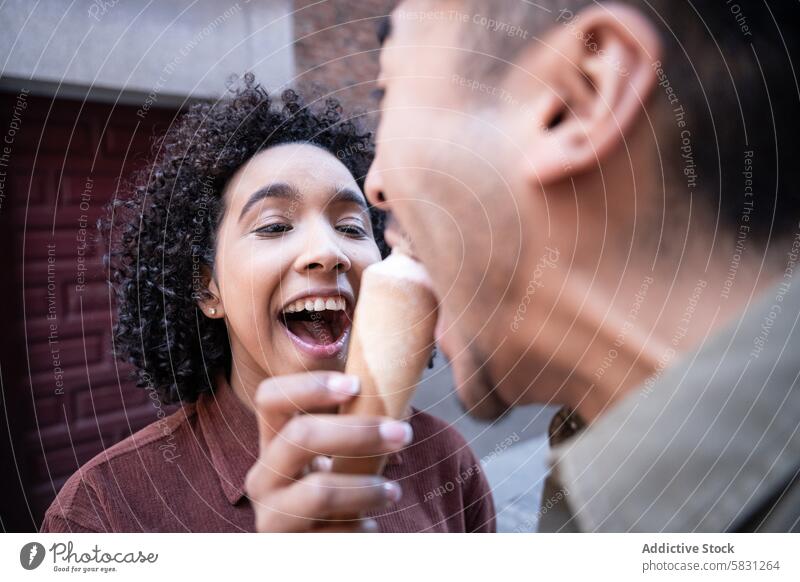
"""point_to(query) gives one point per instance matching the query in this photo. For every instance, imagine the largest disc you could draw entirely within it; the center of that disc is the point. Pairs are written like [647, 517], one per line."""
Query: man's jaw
[476, 391]
[474, 387]
[473, 384]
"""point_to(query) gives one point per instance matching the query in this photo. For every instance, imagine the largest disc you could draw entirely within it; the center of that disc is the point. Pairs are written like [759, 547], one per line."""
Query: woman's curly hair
[162, 235]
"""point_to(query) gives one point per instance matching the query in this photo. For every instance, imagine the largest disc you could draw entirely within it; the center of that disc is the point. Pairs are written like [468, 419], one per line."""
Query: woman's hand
[290, 485]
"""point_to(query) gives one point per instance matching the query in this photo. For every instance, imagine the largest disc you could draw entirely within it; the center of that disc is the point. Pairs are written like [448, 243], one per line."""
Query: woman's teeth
[317, 304]
[318, 326]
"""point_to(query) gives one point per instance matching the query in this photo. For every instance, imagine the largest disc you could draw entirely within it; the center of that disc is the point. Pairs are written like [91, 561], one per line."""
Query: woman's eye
[277, 228]
[352, 230]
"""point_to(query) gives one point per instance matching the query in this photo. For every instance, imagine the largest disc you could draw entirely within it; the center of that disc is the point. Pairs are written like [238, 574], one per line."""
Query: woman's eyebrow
[349, 195]
[276, 190]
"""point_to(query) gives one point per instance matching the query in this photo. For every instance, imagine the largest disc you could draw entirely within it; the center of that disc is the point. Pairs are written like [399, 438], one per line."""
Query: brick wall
[66, 397]
[63, 398]
[336, 48]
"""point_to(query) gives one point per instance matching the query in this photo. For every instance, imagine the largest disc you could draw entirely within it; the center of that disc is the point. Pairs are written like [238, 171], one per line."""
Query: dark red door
[64, 397]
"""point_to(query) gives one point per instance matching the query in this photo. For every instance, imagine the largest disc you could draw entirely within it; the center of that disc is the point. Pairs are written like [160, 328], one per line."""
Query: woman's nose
[322, 252]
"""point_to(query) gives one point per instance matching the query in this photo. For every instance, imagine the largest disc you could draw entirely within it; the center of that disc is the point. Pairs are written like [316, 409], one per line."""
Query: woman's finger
[321, 463]
[305, 437]
[280, 398]
[310, 503]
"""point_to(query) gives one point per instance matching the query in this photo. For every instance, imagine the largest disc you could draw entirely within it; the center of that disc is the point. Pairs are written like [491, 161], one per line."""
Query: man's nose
[322, 253]
[373, 186]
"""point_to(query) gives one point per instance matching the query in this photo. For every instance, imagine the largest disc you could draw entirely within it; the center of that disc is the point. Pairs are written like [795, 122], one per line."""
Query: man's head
[540, 154]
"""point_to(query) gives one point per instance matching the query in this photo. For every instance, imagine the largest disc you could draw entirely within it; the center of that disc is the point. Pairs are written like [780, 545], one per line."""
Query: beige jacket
[711, 445]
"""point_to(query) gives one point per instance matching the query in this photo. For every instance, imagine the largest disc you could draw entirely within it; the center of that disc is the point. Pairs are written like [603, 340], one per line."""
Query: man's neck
[654, 318]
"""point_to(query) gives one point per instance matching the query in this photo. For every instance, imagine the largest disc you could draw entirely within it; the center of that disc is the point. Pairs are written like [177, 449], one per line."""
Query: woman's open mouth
[318, 325]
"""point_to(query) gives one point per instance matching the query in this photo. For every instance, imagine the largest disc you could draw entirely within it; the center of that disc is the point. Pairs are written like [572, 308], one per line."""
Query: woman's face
[291, 249]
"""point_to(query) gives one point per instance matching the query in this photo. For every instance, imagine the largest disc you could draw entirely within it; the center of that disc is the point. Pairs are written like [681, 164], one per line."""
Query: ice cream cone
[391, 344]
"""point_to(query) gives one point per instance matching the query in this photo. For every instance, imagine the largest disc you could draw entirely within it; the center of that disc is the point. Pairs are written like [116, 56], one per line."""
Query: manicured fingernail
[370, 526]
[344, 385]
[392, 491]
[396, 432]
[322, 464]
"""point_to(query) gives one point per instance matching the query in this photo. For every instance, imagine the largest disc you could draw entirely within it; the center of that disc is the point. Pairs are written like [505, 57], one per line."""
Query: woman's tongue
[316, 330]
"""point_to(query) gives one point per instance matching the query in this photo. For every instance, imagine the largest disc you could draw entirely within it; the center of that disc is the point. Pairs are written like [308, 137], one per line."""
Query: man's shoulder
[81, 499]
[779, 514]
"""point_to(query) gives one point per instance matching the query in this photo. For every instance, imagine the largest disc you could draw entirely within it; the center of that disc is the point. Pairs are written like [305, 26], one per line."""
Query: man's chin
[475, 389]
[473, 384]
[485, 406]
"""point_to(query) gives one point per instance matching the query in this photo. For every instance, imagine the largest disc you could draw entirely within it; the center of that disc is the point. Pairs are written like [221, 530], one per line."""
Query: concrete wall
[154, 51]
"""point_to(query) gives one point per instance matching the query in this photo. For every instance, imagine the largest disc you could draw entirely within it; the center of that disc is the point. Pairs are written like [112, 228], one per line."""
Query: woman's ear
[598, 70]
[208, 296]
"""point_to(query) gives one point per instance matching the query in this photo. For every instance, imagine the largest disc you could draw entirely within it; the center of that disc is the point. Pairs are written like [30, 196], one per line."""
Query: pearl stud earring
[212, 311]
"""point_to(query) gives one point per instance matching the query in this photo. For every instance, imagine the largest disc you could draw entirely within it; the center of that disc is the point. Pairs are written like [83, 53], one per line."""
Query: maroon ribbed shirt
[186, 472]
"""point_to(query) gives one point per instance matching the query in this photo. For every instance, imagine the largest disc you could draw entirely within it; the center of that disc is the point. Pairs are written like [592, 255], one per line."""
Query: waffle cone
[391, 344]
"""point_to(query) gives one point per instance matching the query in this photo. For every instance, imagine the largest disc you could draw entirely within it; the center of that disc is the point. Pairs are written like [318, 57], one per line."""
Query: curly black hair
[165, 230]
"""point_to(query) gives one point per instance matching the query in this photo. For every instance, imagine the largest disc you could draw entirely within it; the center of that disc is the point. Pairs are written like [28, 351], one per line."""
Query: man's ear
[597, 66]
[208, 296]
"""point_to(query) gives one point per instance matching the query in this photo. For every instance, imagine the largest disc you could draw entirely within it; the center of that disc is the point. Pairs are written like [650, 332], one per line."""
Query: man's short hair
[728, 96]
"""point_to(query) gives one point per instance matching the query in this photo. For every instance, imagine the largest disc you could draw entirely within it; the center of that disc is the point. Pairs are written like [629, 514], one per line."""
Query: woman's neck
[244, 378]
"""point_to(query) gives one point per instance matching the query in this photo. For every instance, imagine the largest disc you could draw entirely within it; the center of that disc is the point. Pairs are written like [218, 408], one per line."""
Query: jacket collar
[704, 445]
[231, 433]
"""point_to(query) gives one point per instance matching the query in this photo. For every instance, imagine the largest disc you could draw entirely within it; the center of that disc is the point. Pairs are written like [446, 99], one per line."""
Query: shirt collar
[230, 430]
[231, 433]
[704, 445]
